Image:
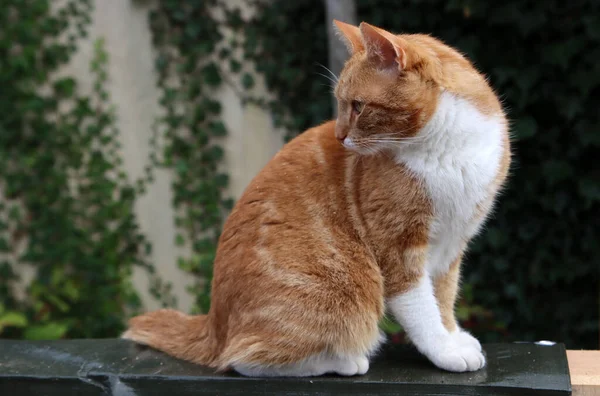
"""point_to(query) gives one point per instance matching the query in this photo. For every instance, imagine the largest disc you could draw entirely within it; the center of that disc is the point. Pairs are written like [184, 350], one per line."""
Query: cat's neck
[457, 158]
[456, 133]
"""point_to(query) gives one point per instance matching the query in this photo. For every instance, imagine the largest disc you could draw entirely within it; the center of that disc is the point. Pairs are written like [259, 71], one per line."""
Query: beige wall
[252, 140]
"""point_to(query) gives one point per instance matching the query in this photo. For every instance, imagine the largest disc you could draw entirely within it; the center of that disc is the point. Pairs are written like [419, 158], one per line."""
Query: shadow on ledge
[119, 367]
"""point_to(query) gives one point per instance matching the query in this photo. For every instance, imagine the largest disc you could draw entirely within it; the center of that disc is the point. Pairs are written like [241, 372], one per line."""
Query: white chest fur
[457, 155]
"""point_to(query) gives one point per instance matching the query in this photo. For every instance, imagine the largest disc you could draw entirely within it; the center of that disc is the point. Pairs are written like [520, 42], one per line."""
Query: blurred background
[128, 128]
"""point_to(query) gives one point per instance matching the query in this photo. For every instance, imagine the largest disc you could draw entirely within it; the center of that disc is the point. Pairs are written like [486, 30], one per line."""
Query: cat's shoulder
[315, 144]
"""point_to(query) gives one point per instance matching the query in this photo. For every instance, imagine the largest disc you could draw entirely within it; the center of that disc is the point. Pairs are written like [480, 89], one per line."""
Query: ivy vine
[191, 50]
[293, 75]
[67, 206]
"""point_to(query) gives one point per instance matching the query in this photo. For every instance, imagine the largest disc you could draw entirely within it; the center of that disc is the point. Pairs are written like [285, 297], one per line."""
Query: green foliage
[287, 42]
[66, 211]
[191, 127]
[536, 266]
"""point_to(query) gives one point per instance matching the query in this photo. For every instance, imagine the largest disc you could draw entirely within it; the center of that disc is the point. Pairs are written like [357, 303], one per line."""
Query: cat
[369, 212]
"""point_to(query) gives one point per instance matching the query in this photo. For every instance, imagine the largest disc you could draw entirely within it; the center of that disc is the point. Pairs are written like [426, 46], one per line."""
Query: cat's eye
[357, 106]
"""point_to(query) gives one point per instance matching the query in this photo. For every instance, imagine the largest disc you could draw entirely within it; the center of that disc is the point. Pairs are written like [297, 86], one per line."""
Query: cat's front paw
[458, 357]
[463, 338]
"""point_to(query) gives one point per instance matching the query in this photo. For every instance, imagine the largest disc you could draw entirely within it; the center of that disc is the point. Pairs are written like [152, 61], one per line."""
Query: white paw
[363, 365]
[358, 365]
[453, 356]
[463, 338]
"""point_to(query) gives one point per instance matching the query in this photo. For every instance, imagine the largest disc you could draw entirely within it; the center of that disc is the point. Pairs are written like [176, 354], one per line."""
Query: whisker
[331, 87]
[336, 78]
[334, 82]
[380, 142]
[395, 137]
[406, 140]
[379, 138]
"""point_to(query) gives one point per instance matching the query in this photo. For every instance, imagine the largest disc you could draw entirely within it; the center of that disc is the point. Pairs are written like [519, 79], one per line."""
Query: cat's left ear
[350, 35]
[388, 50]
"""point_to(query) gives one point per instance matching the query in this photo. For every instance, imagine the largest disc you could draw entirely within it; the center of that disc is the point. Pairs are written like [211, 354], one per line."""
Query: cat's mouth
[349, 143]
[360, 146]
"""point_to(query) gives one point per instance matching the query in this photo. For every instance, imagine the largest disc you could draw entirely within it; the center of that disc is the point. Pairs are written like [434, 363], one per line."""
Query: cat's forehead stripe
[362, 84]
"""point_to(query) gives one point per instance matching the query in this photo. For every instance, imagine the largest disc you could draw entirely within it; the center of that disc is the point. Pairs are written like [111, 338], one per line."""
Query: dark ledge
[118, 367]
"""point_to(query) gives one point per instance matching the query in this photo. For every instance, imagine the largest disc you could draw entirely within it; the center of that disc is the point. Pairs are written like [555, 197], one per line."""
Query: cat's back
[302, 184]
[307, 168]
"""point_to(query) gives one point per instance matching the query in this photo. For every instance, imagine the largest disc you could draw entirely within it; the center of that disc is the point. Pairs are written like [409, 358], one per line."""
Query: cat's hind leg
[312, 366]
[309, 323]
[286, 356]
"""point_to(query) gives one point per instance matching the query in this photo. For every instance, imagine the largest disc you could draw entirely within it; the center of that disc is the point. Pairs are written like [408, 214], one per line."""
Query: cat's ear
[350, 35]
[388, 50]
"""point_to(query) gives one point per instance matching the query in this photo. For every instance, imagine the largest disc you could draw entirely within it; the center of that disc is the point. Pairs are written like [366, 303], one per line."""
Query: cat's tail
[175, 333]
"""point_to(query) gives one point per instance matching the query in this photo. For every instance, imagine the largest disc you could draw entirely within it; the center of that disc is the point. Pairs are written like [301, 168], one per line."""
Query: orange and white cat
[369, 212]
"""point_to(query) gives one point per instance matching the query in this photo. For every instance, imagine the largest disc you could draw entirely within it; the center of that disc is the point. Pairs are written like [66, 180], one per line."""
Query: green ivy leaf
[4, 247]
[389, 326]
[70, 290]
[224, 53]
[235, 66]
[192, 30]
[217, 129]
[214, 154]
[65, 87]
[247, 81]
[211, 75]
[182, 167]
[228, 203]
[12, 319]
[212, 106]
[57, 302]
[14, 213]
[221, 180]
[48, 331]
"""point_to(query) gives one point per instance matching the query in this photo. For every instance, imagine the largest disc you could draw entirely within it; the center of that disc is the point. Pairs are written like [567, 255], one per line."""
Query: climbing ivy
[192, 54]
[287, 42]
[67, 207]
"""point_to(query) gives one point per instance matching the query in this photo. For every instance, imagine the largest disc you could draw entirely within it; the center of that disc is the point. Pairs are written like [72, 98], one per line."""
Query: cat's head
[390, 86]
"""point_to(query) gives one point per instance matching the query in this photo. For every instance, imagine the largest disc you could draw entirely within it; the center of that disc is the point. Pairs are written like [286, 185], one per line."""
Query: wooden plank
[584, 367]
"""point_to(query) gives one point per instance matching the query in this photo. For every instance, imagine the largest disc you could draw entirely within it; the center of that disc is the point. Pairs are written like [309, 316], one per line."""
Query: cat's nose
[341, 133]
